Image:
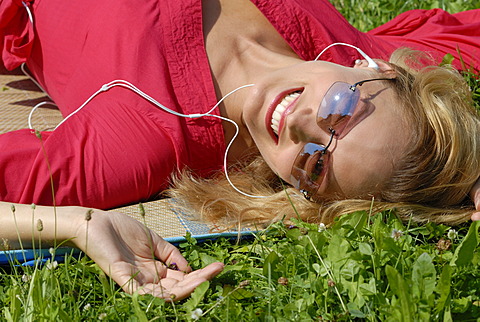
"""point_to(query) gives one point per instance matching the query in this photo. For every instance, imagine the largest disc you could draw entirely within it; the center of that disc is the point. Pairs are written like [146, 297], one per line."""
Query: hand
[125, 250]
[475, 195]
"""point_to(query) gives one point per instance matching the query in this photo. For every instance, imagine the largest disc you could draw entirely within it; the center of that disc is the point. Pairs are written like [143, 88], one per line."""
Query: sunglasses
[333, 116]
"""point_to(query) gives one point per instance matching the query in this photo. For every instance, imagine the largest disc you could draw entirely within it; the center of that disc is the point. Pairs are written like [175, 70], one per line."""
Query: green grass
[367, 14]
[367, 267]
[364, 267]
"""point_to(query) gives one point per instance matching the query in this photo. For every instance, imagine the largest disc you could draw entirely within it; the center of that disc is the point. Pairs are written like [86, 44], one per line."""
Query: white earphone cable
[30, 126]
[371, 62]
[128, 85]
[30, 16]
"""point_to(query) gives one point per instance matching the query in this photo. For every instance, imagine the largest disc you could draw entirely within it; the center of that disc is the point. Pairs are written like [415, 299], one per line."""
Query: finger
[177, 285]
[168, 288]
[126, 275]
[150, 271]
[206, 273]
[169, 254]
[127, 283]
[177, 291]
[193, 280]
[163, 290]
[157, 290]
[131, 277]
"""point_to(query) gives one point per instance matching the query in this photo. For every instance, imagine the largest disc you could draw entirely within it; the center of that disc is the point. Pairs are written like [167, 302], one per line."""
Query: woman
[120, 148]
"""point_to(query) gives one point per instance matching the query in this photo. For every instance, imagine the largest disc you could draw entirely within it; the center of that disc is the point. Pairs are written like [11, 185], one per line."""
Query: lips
[275, 118]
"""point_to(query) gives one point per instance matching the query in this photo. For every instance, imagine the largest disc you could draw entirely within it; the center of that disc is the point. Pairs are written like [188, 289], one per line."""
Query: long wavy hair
[430, 183]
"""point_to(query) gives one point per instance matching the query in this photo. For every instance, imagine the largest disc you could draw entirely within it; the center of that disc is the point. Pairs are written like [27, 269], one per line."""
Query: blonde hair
[430, 183]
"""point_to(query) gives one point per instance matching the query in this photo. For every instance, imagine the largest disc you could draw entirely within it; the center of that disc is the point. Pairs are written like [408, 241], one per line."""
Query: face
[281, 117]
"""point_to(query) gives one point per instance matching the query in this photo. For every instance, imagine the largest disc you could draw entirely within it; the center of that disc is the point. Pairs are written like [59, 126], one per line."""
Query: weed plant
[365, 267]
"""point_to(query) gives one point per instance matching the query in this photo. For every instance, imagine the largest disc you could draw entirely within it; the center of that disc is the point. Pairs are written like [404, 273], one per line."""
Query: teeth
[281, 107]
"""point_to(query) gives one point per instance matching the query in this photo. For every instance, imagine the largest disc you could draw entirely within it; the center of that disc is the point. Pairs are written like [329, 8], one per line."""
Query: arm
[475, 195]
[121, 246]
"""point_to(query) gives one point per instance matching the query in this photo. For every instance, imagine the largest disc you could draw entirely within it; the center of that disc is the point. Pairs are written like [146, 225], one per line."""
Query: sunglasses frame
[298, 181]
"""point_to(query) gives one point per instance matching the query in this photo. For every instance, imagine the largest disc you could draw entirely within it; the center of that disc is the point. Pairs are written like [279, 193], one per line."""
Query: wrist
[62, 225]
[85, 222]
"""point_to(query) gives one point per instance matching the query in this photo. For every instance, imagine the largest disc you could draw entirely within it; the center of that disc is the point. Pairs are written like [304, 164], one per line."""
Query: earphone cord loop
[371, 62]
[128, 85]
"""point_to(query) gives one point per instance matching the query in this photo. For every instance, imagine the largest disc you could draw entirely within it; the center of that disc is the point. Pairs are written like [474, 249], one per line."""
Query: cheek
[360, 173]
[280, 161]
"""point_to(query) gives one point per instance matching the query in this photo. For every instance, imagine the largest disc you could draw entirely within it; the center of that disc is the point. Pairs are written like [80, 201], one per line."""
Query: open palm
[138, 259]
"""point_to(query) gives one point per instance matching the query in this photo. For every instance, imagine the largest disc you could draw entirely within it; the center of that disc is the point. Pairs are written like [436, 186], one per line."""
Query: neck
[241, 46]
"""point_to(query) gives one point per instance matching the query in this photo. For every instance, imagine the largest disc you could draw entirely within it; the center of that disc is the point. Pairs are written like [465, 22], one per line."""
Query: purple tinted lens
[337, 107]
[309, 168]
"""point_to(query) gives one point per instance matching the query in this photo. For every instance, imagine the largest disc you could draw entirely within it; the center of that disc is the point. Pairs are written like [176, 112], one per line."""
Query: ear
[383, 66]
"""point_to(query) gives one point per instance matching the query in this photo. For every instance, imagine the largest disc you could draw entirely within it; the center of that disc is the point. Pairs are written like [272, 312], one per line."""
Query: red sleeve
[311, 25]
[105, 156]
[436, 32]
[16, 33]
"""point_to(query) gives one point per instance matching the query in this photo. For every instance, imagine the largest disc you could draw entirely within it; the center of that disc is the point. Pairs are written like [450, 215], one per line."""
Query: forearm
[26, 225]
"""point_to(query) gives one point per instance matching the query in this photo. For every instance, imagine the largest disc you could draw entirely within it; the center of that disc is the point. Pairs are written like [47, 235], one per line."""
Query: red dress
[120, 148]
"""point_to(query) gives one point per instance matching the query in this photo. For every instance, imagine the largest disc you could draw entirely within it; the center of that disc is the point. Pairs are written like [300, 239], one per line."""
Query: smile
[279, 112]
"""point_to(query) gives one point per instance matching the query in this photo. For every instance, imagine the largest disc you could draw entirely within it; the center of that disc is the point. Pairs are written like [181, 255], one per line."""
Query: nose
[301, 126]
